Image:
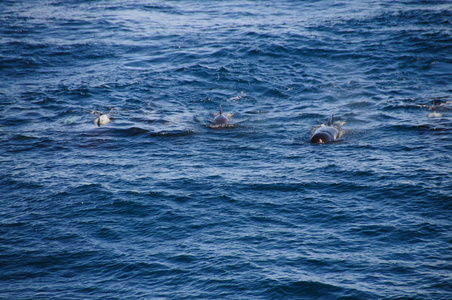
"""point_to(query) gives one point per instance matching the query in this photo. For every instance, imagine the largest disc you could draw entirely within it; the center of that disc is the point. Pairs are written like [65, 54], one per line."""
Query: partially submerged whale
[326, 133]
[101, 120]
[220, 119]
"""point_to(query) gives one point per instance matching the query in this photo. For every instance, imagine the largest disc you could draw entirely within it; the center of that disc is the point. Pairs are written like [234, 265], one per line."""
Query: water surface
[155, 204]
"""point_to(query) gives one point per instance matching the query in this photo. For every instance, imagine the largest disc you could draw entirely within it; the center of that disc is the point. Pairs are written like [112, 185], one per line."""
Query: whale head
[326, 133]
[322, 138]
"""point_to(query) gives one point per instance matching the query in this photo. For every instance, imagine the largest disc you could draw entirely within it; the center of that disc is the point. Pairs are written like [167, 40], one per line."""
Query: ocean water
[158, 205]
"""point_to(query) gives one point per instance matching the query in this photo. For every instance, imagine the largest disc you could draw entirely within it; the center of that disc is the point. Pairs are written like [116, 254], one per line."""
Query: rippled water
[155, 204]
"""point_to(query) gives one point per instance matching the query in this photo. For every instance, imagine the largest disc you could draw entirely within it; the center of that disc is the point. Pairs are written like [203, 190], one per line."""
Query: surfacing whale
[220, 119]
[101, 120]
[326, 133]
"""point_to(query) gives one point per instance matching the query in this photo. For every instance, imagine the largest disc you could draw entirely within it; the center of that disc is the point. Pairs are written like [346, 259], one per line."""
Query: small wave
[256, 112]
[159, 6]
[137, 65]
[221, 126]
[175, 133]
[314, 290]
[443, 103]
[23, 137]
[132, 131]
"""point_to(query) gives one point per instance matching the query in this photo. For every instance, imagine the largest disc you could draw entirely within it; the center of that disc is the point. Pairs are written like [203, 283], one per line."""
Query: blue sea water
[155, 204]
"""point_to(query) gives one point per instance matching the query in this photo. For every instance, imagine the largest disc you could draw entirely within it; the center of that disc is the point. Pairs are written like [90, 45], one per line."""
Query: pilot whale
[220, 119]
[326, 133]
[101, 120]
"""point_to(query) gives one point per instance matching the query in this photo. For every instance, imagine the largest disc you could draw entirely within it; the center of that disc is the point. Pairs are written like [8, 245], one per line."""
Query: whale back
[325, 133]
[220, 119]
[101, 120]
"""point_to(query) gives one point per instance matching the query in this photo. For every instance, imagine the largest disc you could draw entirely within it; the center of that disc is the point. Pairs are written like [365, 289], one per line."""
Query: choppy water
[155, 204]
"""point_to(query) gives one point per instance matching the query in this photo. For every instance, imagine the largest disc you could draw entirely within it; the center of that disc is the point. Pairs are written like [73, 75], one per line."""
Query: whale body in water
[101, 120]
[326, 133]
[220, 119]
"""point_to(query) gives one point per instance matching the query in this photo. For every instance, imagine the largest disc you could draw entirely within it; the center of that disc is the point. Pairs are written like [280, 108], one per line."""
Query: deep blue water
[155, 204]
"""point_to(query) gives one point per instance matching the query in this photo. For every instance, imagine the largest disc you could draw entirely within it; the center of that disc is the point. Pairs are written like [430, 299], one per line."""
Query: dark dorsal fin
[330, 121]
[220, 111]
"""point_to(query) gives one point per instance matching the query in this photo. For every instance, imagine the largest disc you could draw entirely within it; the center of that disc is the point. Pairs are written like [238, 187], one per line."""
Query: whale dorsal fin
[330, 121]
[221, 112]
